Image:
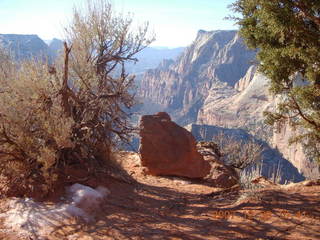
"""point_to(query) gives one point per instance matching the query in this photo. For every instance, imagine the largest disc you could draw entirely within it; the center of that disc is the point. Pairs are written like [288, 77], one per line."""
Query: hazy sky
[175, 22]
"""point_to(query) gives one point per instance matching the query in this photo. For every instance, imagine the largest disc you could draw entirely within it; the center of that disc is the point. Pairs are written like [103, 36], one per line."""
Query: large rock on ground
[168, 149]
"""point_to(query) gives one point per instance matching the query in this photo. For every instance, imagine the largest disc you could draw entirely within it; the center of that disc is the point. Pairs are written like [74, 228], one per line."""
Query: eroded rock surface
[220, 175]
[216, 82]
[168, 149]
[215, 61]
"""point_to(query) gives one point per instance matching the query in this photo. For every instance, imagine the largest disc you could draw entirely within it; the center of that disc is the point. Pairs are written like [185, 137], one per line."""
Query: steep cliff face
[271, 158]
[215, 60]
[242, 106]
[214, 82]
[294, 152]
[25, 46]
[244, 109]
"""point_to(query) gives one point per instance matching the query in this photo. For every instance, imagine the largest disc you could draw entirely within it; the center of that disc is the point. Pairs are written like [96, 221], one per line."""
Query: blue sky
[175, 22]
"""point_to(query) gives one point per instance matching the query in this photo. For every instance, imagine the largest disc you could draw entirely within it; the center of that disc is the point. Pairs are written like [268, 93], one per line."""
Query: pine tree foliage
[287, 34]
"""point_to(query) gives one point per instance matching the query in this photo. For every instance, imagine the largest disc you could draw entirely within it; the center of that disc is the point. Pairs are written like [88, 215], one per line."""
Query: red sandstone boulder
[168, 149]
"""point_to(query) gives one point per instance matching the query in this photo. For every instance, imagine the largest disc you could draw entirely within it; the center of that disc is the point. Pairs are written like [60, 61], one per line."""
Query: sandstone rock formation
[239, 108]
[244, 82]
[220, 174]
[214, 61]
[168, 149]
[244, 109]
[215, 83]
[294, 152]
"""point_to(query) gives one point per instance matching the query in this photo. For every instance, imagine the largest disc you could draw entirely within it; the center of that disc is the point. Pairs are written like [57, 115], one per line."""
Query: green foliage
[287, 34]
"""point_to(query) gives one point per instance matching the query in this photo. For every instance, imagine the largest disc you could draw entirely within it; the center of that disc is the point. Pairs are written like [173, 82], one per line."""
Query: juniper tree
[287, 34]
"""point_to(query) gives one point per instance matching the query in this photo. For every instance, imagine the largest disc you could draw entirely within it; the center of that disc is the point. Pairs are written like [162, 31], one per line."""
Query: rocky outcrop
[168, 149]
[244, 109]
[207, 148]
[214, 83]
[220, 175]
[244, 82]
[25, 46]
[215, 61]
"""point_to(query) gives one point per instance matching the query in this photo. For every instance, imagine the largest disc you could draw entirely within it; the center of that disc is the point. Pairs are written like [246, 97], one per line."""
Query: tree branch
[304, 12]
[297, 107]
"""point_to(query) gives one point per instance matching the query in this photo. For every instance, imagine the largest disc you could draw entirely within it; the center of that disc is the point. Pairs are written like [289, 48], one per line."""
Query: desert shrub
[238, 153]
[244, 155]
[74, 111]
[246, 176]
[34, 128]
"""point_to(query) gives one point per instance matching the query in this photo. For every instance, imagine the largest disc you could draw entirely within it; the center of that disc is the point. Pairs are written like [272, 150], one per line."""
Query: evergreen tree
[287, 34]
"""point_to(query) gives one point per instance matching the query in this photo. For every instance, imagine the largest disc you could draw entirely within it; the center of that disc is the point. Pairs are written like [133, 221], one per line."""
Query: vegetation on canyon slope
[287, 35]
[72, 112]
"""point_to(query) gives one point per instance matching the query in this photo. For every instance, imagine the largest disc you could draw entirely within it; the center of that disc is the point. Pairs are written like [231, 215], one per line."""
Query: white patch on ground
[27, 217]
[181, 181]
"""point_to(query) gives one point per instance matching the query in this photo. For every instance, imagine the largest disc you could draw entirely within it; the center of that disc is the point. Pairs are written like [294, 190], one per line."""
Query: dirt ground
[148, 207]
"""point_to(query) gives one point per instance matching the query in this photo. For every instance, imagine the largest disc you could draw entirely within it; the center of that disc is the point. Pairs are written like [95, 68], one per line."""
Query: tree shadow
[143, 211]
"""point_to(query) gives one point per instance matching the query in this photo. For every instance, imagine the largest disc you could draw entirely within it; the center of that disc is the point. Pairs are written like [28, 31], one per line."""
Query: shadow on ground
[140, 211]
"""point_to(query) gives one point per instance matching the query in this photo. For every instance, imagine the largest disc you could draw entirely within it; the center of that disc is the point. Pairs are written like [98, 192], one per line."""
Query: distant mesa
[25, 46]
[31, 46]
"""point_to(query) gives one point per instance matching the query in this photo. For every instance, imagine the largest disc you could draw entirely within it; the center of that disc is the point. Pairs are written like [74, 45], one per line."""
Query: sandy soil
[148, 207]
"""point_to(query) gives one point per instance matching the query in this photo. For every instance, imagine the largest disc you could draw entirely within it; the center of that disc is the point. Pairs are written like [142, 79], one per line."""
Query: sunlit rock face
[215, 60]
[215, 82]
[244, 109]
[240, 106]
[294, 152]
[168, 149]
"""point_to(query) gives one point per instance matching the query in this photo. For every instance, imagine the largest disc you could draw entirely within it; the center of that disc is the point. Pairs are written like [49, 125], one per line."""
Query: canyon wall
[215, 82]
